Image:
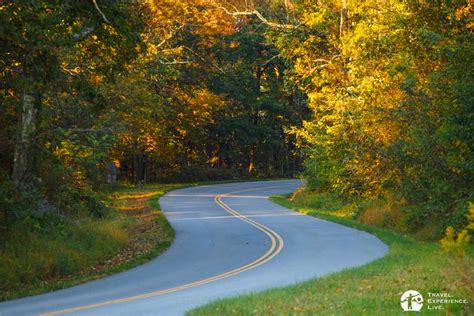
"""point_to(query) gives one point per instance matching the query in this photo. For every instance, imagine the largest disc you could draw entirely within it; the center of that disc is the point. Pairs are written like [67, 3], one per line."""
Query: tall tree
[40, 37]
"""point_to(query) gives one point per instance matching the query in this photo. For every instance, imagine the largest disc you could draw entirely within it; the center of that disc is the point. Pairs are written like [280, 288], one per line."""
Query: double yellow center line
[275, 248]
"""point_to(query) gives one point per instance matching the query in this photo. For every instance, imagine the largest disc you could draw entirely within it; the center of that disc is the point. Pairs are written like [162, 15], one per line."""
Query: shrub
[454, 242]
[457, 242]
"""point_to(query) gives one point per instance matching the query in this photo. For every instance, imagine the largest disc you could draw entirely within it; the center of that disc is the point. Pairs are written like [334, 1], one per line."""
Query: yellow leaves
[152, 49]
[470, 217]
[71, 70]
[234, 44]
[215, 22]
[457, 243]
[110, 29]
[199, 105]
[213, 160]
[148, 142]
[314, 18]
[464, 11]
[125, 138]
[163, 15]
[117, 163]
[62, 152]
[182, 132]
[97, 78]
[167, 20]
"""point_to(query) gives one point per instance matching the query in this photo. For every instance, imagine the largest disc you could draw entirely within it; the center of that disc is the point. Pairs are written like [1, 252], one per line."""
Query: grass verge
[38, 257]
[62, 255]
[372, 289]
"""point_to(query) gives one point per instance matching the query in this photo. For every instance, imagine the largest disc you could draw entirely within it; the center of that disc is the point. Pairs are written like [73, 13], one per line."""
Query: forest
[371, 101]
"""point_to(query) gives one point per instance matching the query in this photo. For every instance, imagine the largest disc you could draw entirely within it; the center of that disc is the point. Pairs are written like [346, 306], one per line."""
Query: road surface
[230, 240]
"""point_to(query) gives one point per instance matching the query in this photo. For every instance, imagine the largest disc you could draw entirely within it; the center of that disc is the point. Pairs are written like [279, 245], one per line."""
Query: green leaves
[391, 100]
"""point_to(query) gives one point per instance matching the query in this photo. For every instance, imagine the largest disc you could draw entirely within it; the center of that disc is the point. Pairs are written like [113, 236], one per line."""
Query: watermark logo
[411, 301]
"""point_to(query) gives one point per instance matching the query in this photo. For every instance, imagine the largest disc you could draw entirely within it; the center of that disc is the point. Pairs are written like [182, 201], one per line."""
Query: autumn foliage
[375, 96]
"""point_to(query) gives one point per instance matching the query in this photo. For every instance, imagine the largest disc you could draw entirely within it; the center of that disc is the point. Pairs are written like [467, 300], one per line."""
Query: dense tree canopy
[159, 90]
[376, 95]
[390, 86]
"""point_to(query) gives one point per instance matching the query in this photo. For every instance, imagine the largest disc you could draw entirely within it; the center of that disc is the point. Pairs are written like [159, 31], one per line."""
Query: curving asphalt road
[230, 240]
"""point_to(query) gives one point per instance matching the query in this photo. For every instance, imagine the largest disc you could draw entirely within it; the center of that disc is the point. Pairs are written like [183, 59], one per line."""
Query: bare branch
[170, 36]
[343, 21]
[100, 11]
[260, 17]
[176, 62]
[323, 63]
[269, 60]
[322, 60]
[287, 10]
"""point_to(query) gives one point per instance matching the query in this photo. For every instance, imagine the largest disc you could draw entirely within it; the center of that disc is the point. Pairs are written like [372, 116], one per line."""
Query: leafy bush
[457, 242]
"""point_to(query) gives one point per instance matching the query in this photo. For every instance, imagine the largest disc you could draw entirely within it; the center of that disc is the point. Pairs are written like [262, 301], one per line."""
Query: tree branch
[257, 14]
[100, 11]
[176, 62]
[170, 36]
[325, 63]
[269, 60]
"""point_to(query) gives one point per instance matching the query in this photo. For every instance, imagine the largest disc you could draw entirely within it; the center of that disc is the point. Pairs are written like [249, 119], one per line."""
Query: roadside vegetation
[372, 100]
[125, 92]
[51, 251]
[372, 289]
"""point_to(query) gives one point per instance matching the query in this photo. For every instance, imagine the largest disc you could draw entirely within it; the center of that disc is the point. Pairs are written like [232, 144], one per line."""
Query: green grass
[61, 255]
[372, 289]
[40, 257]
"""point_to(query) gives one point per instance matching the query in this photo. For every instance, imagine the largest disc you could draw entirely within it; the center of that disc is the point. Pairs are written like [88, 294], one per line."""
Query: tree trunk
[25, 156]
[343, 22]
[139, 166]
[287, 9]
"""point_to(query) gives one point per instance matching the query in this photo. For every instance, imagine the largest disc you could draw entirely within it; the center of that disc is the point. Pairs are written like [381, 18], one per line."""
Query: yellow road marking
[275, 248]
[233, 217]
